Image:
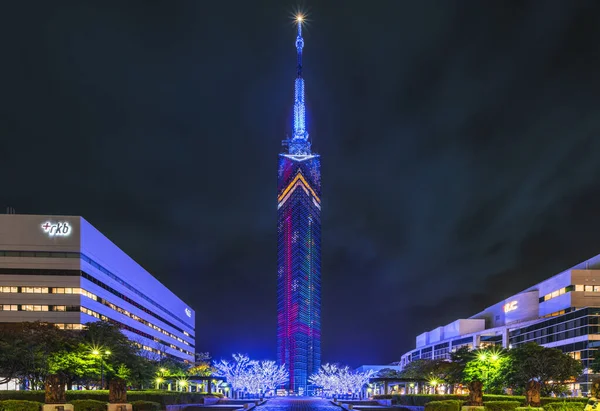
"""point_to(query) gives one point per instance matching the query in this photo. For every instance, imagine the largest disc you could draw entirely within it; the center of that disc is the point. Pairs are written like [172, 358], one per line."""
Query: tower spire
[299, 144]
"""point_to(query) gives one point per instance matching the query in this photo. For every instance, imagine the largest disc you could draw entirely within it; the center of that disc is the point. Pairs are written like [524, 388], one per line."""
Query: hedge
[529, 409]
[564, 406]
[88, 405]
[447, 405]
[552, 400]
[164, 398]
[145, 405]
[20, 405]
[422, 399]
[501, 405]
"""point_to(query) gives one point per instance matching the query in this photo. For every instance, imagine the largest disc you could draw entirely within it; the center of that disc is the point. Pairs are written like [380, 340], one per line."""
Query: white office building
[63, 271]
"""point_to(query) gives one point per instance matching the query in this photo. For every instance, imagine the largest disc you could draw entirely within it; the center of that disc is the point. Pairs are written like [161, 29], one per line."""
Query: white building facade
[561, 312]
[63, 271]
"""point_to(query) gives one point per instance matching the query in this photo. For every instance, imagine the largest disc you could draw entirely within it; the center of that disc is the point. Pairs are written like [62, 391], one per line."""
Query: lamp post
[101, 354]
[487, 360]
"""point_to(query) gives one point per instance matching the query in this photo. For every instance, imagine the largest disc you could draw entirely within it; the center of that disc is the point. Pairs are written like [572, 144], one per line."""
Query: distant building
[561, 312]
[63, 271]
[299, 248]
[377, 368]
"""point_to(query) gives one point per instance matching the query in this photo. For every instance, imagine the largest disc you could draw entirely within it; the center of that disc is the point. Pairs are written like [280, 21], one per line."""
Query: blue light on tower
[299, 247]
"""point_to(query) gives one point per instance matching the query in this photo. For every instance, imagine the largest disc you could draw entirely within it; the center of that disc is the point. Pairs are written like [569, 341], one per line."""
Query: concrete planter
[57, 407]
[120, 407]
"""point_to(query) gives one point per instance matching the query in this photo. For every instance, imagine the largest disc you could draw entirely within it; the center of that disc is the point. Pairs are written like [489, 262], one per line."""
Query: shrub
[564, 406]
[38, 396]
[98, 395]
[145, 405]
[20, 405]
[553, 400]
[501, 405]
[88, 405]
[447, 405]
[529, 409]
[422, 399]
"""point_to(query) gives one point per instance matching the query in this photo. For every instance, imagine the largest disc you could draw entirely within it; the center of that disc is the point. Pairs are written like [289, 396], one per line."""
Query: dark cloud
[458, 143]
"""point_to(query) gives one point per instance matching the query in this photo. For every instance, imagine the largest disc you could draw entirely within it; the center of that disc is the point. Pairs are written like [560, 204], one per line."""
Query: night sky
[459, 140]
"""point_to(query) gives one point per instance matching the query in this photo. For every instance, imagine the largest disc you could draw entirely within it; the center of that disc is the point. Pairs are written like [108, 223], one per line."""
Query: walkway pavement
[297, 404]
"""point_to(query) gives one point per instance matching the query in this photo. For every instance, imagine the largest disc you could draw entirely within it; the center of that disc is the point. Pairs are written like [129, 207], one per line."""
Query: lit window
[579, 288]
[27, 307]
[561, 291]
[597, 288]
[60, 308]
[589, 288]
[554, 294]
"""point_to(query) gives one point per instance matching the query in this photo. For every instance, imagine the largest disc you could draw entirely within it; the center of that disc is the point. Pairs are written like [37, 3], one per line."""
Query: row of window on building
[564, 290]
[81, 291]
[95, 314]
[37, 307]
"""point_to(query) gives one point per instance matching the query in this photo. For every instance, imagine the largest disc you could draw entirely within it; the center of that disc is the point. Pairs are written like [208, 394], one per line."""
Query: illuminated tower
[299, 247]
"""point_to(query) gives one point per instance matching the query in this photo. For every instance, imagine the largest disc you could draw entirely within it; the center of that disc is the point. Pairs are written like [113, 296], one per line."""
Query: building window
[68, 290]
[34, 290]
[9, 289]
[9, 307]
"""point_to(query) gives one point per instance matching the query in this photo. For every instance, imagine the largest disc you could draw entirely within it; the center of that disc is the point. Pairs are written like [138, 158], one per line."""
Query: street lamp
[101, 354]
[158, 381]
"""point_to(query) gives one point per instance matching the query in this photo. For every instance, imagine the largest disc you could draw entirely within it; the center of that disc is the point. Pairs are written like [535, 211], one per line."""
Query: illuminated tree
[270, 375]
[335, 380]
[486, 372]
[250, 376]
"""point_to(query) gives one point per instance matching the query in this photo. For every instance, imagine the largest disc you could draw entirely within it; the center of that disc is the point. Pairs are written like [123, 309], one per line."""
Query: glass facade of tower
[299, 268]
[299, 249]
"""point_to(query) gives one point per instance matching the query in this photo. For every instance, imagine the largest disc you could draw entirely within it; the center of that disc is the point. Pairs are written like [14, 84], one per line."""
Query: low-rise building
[561, 312]
[61, 270]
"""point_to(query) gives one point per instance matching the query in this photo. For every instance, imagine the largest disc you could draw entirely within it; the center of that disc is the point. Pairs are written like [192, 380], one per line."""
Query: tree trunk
[117, 391]
[595, 388]
[476, 393]
[55, 390]
[532, 393]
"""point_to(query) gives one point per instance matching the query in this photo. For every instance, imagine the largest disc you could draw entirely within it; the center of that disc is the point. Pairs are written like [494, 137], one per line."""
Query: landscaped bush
[164, 398]
[447, 405]
[98, 395]
[145, 405]
[88, 405]
[20, 405]
[501, 405]
[495, 397]
[22, 395]
[565, 406]
[421, 400]
[529, 409]
[552, 400]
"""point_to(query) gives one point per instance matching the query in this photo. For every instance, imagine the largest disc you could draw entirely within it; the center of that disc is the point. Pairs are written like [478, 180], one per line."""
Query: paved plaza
[298, 404]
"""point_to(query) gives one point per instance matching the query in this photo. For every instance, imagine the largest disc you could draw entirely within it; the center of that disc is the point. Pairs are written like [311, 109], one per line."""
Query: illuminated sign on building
[60, 229]
[188, 312]
[511, 306]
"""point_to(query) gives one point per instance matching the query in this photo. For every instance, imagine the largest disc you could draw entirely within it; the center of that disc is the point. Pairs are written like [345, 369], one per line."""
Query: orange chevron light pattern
[299, 180]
